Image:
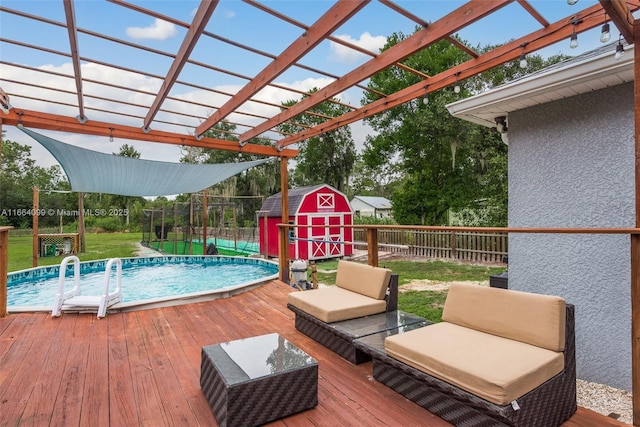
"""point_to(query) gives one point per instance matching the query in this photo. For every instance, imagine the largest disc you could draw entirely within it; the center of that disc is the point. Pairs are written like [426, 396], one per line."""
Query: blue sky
[234, 20]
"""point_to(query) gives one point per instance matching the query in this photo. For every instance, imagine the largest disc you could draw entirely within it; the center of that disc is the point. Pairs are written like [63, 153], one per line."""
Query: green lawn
[98, 246]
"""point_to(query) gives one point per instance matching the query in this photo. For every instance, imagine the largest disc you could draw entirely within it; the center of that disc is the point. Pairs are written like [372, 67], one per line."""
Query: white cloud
[366, 41]
[65, 93]
[159, 30]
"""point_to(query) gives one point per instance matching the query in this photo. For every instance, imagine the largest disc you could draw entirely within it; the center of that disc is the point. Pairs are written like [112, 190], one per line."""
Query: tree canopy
[328, 158]
[442, 163]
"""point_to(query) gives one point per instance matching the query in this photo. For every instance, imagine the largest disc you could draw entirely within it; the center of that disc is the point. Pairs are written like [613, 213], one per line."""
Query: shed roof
[273, 204]
[375, 202]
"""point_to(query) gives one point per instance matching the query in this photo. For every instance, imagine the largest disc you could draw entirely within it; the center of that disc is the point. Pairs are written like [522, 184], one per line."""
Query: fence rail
[447, 244]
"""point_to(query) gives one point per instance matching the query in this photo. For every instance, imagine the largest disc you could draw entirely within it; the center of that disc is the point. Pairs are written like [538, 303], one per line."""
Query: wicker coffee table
[256, 380]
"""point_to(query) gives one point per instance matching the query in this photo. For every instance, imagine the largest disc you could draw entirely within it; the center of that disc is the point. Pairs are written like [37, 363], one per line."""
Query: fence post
[453, 245]
[372, 246]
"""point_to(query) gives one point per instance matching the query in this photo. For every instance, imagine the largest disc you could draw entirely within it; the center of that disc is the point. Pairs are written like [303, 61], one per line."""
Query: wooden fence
[460, 245]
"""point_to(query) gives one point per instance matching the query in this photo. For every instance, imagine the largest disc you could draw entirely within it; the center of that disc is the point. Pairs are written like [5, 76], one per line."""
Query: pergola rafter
[461, 17]
[324, 26]
[73, 44]
[589, 18]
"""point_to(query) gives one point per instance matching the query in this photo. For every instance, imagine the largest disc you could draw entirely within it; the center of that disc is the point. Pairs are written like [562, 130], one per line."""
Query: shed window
[326, 201]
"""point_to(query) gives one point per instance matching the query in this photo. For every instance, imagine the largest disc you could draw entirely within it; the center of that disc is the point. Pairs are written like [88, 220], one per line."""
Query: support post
[162, 236]
[191, 228]
[265, 231]
[635, 245]
[4, 270]
[175, 229]
[635, 325]
[151, 229]
[36, 208]
[283, 239]
[81, 230]
[372, 246]
[205, 219]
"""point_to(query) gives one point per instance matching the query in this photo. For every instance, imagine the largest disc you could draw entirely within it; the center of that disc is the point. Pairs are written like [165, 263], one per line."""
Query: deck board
[143, 368]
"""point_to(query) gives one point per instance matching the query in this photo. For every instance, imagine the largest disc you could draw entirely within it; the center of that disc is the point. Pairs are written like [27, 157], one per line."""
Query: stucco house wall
[571, 164]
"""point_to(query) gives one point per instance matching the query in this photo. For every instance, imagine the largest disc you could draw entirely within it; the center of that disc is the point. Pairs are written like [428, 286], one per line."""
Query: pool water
[143, 279]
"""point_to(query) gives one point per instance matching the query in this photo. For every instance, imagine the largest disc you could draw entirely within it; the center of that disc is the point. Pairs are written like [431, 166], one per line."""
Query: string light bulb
[572, 2]
[574, 41]
[456, 87]
[619, 50]
[605, 35]
[425, 97]
[523, 61]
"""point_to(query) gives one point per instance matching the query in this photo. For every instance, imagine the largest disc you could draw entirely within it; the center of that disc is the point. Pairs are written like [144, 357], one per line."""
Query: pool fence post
[191, 228]
[162, 236]
[35, 230]
[204, 221]
[175, 228]
[81, 228]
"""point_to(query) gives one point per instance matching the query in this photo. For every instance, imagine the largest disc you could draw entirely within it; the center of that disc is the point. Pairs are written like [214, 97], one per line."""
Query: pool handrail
[74, 296]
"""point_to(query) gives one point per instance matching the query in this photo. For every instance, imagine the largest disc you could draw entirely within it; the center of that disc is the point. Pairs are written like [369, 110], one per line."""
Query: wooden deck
[143, 368]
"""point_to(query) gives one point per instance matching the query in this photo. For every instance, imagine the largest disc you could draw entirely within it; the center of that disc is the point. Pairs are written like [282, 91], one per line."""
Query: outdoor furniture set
[498, 358]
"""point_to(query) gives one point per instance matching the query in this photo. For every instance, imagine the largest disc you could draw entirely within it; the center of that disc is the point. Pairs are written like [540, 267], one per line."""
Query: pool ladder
[73, 299]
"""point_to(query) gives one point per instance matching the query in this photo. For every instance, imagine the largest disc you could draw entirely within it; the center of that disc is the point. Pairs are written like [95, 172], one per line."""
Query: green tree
[19, 174]
[262, 180]
[125, 203]
[439, 156]
[327, 158]
[446, 163]
[367, 180]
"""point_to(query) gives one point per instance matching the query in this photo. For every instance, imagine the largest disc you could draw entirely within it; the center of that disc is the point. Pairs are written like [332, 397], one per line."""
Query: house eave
[557, 82]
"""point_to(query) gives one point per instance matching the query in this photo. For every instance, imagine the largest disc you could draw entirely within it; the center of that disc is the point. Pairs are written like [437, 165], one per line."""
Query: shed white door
[328, 241]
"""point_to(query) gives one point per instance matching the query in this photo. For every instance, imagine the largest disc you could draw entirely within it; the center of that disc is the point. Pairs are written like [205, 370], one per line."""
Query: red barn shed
[313, 205]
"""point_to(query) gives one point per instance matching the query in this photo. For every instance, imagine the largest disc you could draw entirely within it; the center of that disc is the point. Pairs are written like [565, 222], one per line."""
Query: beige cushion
[497, 369]
[333, 304]
[363, 279]
[531, 318]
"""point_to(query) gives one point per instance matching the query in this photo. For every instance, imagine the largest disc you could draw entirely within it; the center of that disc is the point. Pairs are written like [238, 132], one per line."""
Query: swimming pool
[146, 281]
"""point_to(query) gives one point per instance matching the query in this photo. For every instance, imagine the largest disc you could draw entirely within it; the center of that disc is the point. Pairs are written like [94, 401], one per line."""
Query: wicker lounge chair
[361, 291]
[455, 393]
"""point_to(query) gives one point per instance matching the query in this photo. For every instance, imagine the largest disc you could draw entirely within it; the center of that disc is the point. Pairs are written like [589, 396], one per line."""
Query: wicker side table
[256, 380]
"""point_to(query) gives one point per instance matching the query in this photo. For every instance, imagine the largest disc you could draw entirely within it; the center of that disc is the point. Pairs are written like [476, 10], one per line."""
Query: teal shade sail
[91, 171]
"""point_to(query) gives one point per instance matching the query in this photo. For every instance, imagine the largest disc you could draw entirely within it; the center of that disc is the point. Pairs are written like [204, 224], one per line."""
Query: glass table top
[376, 340]
[363, 326]
[255, 357]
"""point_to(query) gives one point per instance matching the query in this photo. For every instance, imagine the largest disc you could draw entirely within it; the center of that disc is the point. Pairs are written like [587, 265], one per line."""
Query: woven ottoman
[256, 380]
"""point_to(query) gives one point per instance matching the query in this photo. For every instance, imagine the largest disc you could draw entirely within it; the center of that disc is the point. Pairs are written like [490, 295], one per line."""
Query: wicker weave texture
[327, 336]
[550, 404]
[261, 400]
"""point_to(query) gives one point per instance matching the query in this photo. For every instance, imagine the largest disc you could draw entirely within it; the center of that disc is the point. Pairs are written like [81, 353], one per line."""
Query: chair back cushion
[363, 279]
[531, 318]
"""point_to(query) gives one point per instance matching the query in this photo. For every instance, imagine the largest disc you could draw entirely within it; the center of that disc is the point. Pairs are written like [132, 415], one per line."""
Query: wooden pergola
[158, 112]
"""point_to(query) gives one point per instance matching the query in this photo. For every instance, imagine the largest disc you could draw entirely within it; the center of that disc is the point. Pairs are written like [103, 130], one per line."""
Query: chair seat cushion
[333, 304]
[497, 369]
